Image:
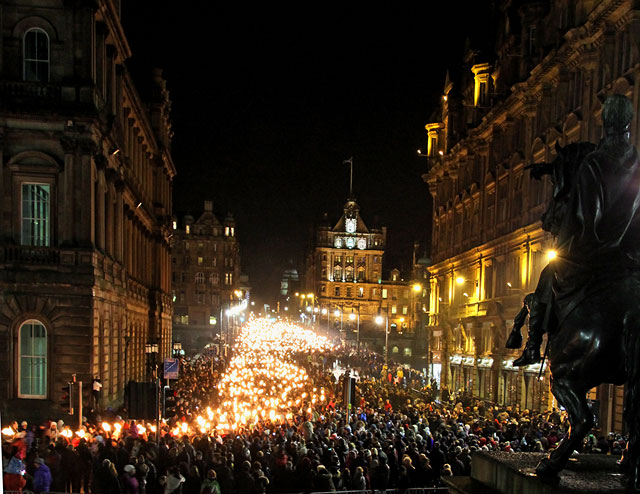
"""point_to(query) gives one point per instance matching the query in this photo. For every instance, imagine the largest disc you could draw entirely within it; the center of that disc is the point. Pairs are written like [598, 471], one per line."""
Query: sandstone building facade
[206, 277]
[344, 285]
[85, 185]
[541, 83]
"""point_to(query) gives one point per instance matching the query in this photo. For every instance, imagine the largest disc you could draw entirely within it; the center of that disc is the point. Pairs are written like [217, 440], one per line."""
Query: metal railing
[412, 490]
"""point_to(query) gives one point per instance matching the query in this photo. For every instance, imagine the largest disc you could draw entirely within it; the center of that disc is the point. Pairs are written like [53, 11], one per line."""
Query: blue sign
[171, 368]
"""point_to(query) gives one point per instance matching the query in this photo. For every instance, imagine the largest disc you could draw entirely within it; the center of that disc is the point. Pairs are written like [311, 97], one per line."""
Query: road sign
[171, 368]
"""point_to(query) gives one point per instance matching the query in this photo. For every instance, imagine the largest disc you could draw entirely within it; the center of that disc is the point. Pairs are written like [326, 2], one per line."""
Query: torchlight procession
[261, 381]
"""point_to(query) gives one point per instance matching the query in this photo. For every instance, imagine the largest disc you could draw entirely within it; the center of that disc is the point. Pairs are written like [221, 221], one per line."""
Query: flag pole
[350, 161]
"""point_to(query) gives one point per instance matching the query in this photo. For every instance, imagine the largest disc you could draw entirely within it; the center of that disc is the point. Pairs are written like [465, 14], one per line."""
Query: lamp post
[151, 349]
[177, 349]
[353, 317]
[327, 312]
[379, 320]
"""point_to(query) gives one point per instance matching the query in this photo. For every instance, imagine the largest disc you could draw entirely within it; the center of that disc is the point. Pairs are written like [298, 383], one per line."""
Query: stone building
[344, 287]
[541, 83]
[85, 186]
[206, 277]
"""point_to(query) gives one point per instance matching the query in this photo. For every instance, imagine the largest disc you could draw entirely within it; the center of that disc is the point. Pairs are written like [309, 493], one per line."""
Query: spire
[350, 161]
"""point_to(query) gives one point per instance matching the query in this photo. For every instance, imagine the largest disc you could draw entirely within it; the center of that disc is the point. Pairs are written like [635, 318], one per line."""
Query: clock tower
[344, 270]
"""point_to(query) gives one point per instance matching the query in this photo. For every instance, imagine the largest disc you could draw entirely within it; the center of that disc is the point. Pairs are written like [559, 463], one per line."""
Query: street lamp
[379, 320]
[353, 317]
[151, 350]
[177, 348]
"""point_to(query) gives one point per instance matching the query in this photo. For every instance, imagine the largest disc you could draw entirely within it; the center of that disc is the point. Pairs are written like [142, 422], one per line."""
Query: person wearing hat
[13, 478]
[130, 483]
[42, 477]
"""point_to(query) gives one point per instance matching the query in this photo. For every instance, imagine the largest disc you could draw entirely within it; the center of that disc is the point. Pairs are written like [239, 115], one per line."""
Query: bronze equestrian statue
[538, 305]
[595, 308]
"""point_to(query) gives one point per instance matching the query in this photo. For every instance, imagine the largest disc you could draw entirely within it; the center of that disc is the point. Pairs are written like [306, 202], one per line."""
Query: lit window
[228, 278]
[405, 310]
[384, 293]
[33, 360]
[360, 291]
[212, 320]
[36, 56]
[226, 231]
[395, 349]
[36, 205]
[199, 278]
[187, 229]
[407, 352]
[394, 309]
[200, 260]
[175, 225]
[233, 231]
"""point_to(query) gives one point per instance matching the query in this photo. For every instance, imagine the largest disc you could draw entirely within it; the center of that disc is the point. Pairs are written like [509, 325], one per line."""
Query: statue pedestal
[514, 473]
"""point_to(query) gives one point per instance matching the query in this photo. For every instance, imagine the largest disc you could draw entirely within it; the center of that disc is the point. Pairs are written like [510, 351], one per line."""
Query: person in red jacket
[13, 478]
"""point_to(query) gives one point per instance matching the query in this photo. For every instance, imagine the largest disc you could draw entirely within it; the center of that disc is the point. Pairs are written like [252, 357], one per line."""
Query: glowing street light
[379, 319]
[551, 255]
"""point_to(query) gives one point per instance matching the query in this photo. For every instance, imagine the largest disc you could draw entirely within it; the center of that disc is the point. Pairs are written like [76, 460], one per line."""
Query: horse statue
[595, 315]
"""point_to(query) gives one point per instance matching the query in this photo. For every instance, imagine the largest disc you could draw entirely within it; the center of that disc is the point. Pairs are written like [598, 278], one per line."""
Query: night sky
[269, 101]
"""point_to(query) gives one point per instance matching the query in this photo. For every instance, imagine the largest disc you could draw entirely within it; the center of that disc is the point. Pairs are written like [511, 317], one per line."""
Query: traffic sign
[171, 368]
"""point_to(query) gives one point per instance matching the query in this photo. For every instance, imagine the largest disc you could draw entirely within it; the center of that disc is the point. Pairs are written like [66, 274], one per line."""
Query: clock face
[351, 242]
[338, 243]
[350, 225]
[362, 244]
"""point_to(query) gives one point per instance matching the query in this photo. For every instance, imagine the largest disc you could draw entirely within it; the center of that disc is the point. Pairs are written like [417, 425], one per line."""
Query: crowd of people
[394, 435]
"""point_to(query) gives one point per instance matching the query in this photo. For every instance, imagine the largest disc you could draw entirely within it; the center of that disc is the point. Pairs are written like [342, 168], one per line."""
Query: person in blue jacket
[41, 477]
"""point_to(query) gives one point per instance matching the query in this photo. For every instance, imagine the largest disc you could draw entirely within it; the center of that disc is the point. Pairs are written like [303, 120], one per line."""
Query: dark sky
[269, 101]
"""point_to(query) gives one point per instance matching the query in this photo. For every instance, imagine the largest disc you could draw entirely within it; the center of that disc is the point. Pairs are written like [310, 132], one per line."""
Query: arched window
[199, 277]
[32, 363]
[214, 279]
[395, 350]
[36, 56]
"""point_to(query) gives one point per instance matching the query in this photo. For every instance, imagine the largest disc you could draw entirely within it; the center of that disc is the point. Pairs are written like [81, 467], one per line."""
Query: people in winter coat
[105, 480]
[323, 480]
[210, 485]
[130, 483]
[174, 481]
[13, 478]
[42, 477]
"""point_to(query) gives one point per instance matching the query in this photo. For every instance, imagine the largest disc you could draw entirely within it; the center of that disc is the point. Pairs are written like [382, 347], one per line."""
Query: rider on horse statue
[570, 230]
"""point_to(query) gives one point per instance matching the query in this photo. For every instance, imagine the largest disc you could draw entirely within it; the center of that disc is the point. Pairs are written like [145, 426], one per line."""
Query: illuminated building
[551, 67]
[86, 177]
[345, 289]
[205, 276]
